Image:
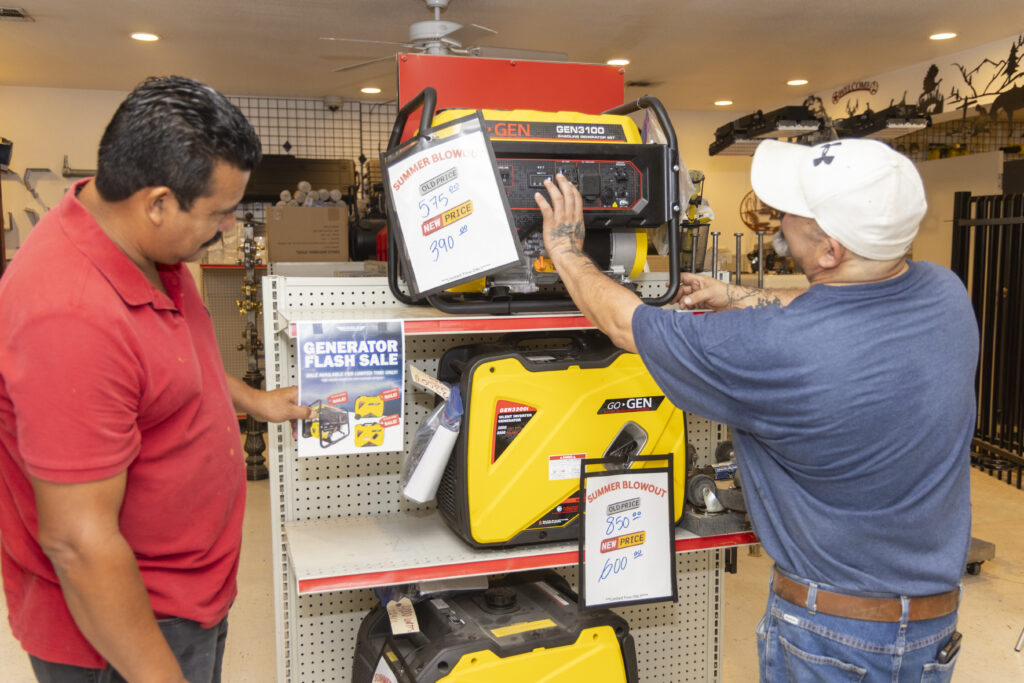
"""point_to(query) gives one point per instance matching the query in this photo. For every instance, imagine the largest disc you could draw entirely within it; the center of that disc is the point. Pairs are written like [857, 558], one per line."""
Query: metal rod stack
[739, 255]
[760, 260]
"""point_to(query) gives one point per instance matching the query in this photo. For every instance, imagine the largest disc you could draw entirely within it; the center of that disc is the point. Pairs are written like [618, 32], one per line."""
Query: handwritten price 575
[438, 202]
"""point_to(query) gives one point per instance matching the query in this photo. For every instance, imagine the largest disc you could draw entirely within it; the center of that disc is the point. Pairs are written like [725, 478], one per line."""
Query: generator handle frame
[427, 99]
[648, 102]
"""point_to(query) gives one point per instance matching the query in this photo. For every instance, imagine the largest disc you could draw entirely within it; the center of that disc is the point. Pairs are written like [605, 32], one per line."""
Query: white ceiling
[692, 51]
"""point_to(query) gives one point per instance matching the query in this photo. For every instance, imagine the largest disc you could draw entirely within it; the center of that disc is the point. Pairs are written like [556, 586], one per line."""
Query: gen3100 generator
[627, 187]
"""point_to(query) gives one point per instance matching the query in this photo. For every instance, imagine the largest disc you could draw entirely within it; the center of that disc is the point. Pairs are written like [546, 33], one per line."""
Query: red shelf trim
[500, 324]
[477, 567]
[231, 266]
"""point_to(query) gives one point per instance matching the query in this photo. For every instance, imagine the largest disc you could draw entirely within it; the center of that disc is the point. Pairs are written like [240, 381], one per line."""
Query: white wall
[979, 174]
[46, 124]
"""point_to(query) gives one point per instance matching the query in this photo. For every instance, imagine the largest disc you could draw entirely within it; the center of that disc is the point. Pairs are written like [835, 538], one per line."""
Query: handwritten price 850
[619, 522]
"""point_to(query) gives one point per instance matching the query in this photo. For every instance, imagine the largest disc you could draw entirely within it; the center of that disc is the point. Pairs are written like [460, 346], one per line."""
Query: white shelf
[380, 550]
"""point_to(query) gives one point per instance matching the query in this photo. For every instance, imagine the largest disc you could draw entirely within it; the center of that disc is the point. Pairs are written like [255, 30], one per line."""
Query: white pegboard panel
[678, 642]
[316, 633]
[328, 626]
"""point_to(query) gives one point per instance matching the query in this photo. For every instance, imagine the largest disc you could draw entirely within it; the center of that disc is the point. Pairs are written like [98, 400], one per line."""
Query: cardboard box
[307, 233]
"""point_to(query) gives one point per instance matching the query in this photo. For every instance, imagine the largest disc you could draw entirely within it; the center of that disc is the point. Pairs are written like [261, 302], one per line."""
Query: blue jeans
[200, 652]
[794, 644]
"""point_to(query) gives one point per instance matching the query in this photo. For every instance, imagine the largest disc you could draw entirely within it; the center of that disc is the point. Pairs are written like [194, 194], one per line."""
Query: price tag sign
[627, 548]
[454, 224]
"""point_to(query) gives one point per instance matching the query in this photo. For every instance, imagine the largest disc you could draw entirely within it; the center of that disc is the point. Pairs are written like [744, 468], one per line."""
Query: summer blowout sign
[627, 549]
[454, 222]
[351, 374]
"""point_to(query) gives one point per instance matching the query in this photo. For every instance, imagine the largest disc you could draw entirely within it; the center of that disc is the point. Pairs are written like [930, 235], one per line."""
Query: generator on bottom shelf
[534, 406]
[525, 627]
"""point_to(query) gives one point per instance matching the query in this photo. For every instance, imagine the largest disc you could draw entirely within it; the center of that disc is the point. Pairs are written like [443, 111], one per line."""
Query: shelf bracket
[281, 323]
[26, 180]
[69, 172]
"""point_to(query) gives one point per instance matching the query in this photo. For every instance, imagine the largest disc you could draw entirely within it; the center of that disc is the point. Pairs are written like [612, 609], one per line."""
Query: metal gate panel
[988, 255]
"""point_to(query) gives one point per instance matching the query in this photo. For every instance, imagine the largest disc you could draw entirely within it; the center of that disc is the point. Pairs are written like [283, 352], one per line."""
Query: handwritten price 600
[612, 566]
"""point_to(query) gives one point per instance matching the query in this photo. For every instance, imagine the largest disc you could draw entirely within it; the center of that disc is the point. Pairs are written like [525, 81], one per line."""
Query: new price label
[625, 541]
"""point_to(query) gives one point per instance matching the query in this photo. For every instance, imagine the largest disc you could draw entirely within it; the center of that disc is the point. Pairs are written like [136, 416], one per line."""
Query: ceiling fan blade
[361, 40]
[514, 53]
[361, 64]
[470, 33]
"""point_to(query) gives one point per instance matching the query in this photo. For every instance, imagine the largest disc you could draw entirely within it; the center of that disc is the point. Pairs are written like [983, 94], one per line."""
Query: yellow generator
[531, 415]
[628, 187]
[526, 628]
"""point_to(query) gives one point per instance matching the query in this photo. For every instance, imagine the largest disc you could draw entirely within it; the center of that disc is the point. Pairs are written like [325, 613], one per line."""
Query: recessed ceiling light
[797, 81]
[618, 62]
[146, 37]
[941, 36]
[723, 103]
[371, 91]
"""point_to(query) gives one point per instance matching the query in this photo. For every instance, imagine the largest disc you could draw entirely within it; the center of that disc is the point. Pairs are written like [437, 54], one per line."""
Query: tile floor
[991, 617]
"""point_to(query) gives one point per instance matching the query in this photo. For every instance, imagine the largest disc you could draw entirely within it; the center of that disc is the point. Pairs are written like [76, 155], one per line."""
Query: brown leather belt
[865, 608]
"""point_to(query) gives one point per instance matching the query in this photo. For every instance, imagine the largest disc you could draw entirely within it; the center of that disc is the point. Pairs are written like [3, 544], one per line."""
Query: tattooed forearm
[571, 231]
[743, 297]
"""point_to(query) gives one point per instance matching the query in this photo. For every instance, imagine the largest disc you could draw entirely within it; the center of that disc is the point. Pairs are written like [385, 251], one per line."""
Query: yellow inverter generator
[526, 628]
[530, 416]
[627, 186]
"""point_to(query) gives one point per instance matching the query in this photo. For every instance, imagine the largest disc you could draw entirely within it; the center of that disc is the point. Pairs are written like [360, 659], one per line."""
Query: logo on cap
[824, 154]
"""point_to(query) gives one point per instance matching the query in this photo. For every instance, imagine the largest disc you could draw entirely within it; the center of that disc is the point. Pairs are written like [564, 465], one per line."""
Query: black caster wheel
[974, 568]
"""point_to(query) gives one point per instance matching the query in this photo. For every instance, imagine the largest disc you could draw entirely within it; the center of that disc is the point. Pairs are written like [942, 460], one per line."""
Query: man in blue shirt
[851, 404]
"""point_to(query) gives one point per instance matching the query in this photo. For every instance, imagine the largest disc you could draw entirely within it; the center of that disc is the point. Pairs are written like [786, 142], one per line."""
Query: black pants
[200, 651]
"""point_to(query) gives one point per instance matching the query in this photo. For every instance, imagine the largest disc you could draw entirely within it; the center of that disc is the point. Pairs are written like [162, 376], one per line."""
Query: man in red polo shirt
[123, 484]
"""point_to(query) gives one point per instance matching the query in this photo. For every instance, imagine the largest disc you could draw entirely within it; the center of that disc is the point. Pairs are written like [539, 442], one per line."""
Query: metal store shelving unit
[341, 526]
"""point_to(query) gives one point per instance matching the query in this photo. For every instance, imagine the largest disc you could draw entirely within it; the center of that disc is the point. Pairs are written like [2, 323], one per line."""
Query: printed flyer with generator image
[351, 374]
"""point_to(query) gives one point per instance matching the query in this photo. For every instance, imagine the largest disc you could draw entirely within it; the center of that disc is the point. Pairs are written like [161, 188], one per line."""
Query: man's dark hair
[172, 131]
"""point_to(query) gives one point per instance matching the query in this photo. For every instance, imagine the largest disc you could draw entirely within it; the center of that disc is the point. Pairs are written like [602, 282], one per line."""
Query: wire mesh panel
[222, 287]
[316, 634]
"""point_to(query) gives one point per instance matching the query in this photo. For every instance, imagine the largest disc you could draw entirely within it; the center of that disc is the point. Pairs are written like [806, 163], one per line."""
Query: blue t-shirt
[852, 410]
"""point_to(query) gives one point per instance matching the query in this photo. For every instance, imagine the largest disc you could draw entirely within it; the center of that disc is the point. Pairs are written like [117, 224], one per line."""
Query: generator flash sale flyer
[351, 374]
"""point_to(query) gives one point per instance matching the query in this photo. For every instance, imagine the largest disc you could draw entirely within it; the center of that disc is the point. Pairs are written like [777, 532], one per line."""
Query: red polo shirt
[100, 373]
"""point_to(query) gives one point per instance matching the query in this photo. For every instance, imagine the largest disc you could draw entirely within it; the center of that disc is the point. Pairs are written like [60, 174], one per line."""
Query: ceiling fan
[438, 37]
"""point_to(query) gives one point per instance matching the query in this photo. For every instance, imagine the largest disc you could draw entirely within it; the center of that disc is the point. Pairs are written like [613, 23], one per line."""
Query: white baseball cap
[863, 193]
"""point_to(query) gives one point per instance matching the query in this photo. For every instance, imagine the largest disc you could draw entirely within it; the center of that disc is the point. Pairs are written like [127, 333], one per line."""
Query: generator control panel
[622, 185]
